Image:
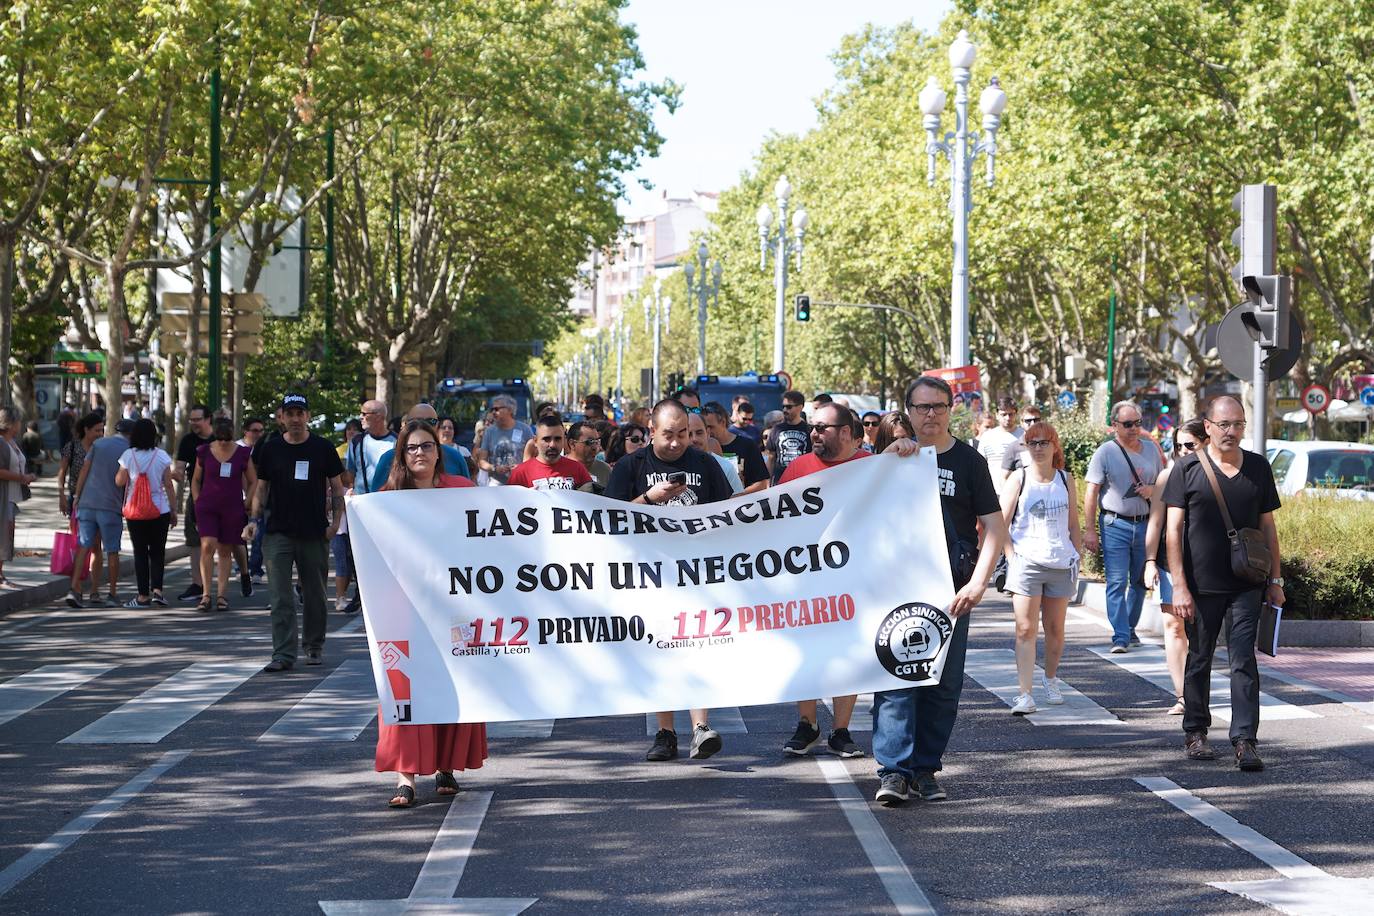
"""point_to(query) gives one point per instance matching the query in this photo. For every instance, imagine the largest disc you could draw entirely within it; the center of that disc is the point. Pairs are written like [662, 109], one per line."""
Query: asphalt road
[218, 789]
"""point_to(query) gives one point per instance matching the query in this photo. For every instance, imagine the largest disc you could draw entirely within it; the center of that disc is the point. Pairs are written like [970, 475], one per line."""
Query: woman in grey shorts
[1040, 504]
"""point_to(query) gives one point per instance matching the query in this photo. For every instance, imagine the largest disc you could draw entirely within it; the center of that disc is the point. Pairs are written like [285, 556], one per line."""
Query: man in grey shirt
[503, 441]
[100, 510]
[1121, 479]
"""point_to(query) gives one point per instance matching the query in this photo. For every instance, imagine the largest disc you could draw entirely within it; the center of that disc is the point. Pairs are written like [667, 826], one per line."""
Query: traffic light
[1270, 293]
[803, 308]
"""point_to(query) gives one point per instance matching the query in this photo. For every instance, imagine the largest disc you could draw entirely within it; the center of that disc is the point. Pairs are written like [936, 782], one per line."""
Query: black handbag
[1250, 558]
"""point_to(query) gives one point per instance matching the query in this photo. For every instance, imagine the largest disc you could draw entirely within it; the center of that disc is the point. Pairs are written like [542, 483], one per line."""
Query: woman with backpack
[145, 473]
[223, 481]
[1041, 508]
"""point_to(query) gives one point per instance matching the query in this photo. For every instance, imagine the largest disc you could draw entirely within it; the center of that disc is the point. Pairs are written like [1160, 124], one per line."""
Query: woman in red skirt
[411, 750]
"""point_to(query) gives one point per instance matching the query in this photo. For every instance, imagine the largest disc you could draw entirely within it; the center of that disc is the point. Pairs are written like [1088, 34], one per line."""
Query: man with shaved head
[1208, 589]
[670, 472]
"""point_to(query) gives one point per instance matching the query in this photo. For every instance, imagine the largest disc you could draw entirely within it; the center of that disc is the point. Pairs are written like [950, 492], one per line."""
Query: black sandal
[222, 603]
[405, 792]
[203, 605]
[445, 784]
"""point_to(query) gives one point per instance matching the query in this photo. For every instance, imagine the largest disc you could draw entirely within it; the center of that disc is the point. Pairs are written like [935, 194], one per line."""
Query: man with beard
[549, 469]
[669, 472]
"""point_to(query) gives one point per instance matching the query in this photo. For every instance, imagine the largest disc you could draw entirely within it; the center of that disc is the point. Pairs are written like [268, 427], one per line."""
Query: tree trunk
[381, 376]
[6, 312]
[114, 346]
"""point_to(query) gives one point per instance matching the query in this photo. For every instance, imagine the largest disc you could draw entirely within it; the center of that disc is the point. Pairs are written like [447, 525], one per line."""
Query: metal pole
[701, 322]
[215, 368]
[329, 249]
[882, 378]
[960, 204]
[658, 343]
[780, 286]
[600, 347]
[1259, 432]
[619, 357]
[1111, 339]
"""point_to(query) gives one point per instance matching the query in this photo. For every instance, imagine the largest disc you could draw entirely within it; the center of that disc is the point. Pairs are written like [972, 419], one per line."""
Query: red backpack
[138, 504]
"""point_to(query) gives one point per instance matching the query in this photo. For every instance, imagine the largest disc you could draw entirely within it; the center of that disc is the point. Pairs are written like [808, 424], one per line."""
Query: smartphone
[677, 478]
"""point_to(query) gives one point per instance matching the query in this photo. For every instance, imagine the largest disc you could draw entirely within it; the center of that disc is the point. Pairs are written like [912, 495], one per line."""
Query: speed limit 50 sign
[1316, 398]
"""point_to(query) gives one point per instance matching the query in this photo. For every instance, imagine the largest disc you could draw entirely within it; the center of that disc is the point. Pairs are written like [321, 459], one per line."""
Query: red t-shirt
[453, 480]
[565, 474]
[810, 464]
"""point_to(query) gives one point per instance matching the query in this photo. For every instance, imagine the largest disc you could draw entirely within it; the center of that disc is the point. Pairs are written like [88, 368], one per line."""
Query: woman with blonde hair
[1040, 506]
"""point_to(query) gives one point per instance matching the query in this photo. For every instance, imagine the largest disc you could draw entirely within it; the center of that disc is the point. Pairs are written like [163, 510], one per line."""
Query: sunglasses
[1188, 446]
[634, 438]
[822, 427]
[1027, 421]
[870, 422]
[590, 441]
[1128, 424]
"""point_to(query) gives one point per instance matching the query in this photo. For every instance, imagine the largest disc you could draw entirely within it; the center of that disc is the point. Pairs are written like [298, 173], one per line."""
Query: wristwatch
[1278, 581]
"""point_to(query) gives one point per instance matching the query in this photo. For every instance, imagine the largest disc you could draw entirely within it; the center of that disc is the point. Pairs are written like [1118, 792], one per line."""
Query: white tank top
[1040, 530]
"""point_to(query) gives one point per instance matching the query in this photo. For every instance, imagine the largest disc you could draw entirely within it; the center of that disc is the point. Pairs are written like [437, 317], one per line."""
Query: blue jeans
[911, 727]
[1123, 554]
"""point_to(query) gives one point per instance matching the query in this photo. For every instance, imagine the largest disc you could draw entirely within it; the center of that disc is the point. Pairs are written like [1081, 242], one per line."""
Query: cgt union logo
[395, 658]
[911, 639]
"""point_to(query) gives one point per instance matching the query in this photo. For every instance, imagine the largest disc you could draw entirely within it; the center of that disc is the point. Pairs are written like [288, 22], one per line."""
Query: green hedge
[1327, 557]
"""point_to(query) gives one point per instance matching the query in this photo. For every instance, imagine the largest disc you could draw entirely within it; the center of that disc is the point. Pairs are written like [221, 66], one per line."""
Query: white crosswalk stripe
[995, 671]
[726, 720]
[338, 709]
[165, 707]
[533, 728]
[1148, 663]
[862, 720]
[32, 689]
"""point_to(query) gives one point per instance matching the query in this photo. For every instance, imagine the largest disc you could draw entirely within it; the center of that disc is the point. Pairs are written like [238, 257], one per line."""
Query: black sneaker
[892, 790]
[74, 600]
[803, 739]
[193, 593]
[705, 742]
[277, 665]
[314, 657]
[842, 745]
[354, 606]
[246, 585]
[665, 746]
[1135, 640]
[927, 787]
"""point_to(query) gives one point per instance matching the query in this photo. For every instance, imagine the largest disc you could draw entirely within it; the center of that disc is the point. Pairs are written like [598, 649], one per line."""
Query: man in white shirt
[993, 443]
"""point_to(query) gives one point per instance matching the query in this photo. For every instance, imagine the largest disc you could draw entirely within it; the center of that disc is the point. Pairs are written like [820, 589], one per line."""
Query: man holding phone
[1121, 479]
[672, 473]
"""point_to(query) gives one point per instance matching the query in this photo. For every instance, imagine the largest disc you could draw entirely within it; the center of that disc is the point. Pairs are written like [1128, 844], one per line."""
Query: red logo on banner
[395, 654]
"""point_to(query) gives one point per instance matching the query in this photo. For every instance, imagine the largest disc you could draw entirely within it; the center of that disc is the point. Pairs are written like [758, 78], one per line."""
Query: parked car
[1319, 467]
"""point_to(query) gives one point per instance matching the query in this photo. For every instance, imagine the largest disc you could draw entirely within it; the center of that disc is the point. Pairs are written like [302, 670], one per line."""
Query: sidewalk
[39, 519]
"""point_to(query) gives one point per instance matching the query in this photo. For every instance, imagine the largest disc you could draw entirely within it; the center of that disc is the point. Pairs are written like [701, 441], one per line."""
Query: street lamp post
[781, 247]
[961, 154]
[620, 336]
[657, 309]
[706, 287]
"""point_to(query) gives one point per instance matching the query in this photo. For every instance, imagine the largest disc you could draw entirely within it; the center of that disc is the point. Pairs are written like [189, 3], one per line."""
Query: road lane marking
[726, 720]
[338, 709]
[442, 871]
[995, 671]
[532, 728]
[54, 845]
[350, 627]
[901, 887]
[1150, 665]
[166, 706]
[32, 689]
[862, 720]
[1363, 706]
[1304, 889]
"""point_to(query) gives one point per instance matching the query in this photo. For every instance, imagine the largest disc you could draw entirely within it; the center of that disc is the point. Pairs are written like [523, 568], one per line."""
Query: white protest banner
[494, 604]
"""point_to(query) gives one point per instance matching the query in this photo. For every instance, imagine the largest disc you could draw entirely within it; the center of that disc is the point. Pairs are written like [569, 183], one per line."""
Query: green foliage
[1079, 437]
[1326, 558]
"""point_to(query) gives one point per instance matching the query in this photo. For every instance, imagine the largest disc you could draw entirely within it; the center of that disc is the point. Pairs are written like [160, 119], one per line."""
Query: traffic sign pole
[1260, 433]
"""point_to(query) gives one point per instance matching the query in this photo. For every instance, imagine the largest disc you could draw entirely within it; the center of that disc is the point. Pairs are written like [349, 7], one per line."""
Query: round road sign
[1066, 399]
[1367, 395]
[1316, 398]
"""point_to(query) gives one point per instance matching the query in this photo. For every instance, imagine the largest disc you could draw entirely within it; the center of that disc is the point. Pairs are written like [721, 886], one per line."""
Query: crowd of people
[274, 506]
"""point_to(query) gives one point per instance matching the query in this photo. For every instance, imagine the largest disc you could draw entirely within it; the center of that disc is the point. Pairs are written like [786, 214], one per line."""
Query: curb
[20, 600]
[1344, 634]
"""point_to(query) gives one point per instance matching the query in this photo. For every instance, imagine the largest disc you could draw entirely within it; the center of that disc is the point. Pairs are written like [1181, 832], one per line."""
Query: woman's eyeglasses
[1037, 443]
[419, 448]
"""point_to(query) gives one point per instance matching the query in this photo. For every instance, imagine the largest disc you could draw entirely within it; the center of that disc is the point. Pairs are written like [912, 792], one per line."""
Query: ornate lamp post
[657, 309]
[781, 246]
[704, 289]
[961, 148]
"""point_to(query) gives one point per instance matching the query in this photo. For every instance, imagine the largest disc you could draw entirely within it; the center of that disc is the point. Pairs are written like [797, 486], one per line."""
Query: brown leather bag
[1250, 559]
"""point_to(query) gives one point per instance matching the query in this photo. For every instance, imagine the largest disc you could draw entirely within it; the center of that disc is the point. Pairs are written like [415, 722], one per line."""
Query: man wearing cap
[503, 441]
[294, 472]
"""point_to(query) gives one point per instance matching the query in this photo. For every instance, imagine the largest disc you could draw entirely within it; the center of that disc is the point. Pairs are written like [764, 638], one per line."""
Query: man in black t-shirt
[183, 469]
[789, 439]
[1206, 591]
[911, 727]
[294, 472]
[648, 477]
[742, 450]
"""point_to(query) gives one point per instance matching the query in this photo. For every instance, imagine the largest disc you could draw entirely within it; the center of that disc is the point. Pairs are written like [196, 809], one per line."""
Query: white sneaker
[1023, 706]
[1054, 691]
[340, 604]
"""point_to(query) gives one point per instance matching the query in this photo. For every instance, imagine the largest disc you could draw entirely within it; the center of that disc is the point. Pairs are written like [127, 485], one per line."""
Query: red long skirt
[425, 749]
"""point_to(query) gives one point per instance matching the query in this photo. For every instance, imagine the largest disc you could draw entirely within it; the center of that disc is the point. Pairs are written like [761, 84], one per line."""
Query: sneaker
[277, 664]
[803, 739]
[927, 787]
[341, 605]
[134, 602]
[842, 745]
[74, 600]
[1195, 747]
[246, 585]
[110, 601]
[1246, 758]
[159, 600]
[355, 605]
[193, 593]
[1054, 691]
[892, 790]
[314, 657]
[259, 578]
[1177, 708]
[1135, 640]
[1119, 649]
[1024, 705]
[705, 742]
[665, 746]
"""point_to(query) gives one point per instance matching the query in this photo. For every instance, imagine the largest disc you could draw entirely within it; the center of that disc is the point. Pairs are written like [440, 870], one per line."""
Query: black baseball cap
[124, 427]
[294, 400]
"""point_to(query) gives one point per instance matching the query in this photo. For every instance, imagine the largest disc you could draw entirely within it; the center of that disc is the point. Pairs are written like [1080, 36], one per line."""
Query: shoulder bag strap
[1205, 460]
[1020, 492]
[1129, 463]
